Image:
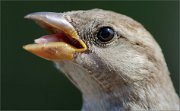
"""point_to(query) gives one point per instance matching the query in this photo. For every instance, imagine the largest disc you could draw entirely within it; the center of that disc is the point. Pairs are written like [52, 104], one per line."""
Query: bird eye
[105, 34]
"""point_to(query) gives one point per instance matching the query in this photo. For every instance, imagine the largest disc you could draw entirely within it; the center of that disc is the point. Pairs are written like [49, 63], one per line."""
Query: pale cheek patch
[128, 61]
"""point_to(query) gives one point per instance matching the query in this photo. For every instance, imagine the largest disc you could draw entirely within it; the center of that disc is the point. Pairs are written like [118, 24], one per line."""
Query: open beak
[62, 44]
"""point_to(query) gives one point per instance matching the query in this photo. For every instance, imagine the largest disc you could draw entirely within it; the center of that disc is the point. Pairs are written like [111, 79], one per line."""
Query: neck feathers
[135, 97]
[148, 94]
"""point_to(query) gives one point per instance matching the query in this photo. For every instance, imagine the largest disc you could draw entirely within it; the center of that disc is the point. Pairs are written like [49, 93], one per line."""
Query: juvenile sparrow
[111, 58]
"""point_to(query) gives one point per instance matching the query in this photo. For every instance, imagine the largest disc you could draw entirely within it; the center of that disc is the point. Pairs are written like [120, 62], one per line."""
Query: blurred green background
[29, 82]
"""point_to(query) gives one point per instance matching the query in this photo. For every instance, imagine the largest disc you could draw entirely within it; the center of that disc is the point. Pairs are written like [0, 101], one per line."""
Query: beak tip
[31, 16]
[27, 16]
[38, 15]
[24, 47]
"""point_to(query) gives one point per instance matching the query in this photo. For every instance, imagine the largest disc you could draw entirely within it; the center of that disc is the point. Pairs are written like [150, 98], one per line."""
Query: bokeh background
[29, 82]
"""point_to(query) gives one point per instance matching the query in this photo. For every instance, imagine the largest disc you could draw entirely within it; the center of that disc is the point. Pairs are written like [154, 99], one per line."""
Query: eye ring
[105, 34]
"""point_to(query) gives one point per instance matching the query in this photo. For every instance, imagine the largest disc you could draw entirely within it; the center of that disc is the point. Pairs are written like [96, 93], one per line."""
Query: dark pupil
[105, 34]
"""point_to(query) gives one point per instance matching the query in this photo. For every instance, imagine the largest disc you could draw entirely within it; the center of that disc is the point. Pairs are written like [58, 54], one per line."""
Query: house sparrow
[111, 58]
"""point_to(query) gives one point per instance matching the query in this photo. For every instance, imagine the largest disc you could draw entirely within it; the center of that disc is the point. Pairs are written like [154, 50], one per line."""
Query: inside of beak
[60, 37]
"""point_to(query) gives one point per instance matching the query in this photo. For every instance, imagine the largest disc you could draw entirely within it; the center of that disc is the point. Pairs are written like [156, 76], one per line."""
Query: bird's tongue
[60, 37]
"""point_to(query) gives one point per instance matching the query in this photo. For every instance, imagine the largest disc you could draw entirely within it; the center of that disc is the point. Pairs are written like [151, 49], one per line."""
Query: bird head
[111, 58]
[113, 49]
